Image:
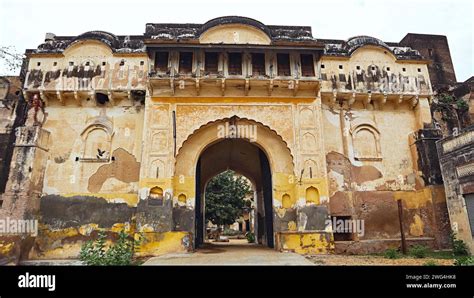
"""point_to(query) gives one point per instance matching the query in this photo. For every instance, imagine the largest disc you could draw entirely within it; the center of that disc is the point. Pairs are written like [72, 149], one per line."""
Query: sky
[25, 22]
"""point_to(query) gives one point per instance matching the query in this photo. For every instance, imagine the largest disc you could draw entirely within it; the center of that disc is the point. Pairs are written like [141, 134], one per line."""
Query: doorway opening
[229, 208]
[244, 159]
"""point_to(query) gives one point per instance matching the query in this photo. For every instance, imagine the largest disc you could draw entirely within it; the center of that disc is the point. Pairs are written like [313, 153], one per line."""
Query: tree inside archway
[225, 195]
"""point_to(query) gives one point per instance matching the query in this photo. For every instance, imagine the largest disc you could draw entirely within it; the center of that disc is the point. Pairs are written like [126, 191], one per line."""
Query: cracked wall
[368, 189]
[123, 147]
[372, 69]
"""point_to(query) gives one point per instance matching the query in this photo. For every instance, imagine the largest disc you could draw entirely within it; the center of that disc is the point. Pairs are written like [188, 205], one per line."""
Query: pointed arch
[279, 155]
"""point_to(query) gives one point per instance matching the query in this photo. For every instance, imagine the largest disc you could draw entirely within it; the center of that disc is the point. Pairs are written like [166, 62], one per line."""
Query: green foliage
[446, 98]
[250, 237]
[461, 104]
[92, 253]
[464, 261]
[419, 251]
[440, 254]
[391, 253]
[95, 253]
[230, 232]
[459, 246]
[430, 263]
[225, 195]
[451, 100]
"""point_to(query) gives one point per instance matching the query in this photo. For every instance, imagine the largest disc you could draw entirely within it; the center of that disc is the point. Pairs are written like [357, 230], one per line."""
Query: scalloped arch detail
[223, 120]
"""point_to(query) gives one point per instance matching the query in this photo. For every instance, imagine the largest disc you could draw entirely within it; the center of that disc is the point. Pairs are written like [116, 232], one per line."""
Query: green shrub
[464, 261]
[446, 98]
[461, 104]
[449, 99]
[419, 251]
[391, 253]
[95, 253]
[459, 246]
[230, 232]
[250, 237]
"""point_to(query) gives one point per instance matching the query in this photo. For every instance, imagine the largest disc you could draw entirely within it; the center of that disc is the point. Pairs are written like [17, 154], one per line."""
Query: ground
[239, 252]
[344, 260]
[235, 252]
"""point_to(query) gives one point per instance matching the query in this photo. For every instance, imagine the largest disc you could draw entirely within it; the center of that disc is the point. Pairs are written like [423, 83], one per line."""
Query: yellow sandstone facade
[131, 126]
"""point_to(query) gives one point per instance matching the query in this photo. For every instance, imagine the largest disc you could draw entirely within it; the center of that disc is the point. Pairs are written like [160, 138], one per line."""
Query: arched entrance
[246, 159]
[264, 158]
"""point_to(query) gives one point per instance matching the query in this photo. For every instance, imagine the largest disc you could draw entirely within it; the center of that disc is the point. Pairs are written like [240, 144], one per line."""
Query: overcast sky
[25, 22]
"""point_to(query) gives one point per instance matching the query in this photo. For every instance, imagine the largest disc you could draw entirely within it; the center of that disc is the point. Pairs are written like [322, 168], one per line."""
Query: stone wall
[456, 154]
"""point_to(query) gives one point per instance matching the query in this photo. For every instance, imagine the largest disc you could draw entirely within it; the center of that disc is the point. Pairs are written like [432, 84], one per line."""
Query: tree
[225, 195]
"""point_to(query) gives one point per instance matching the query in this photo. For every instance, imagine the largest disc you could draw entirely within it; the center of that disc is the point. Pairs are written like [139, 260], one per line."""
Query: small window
[211, 62]
[343, 233]
[307, 65]
[161, 61]
[419, 69]
[122, 62]
[340, 66]
[322, 66]
[55, 63]
[372, 67]
[430, 52]
[235, 63]
[71, 63]
[142, 63]
[358, 67]
[283, 61]
[101, 98]
[469, 199]
[185, 62]
[404, 69]
[258, 64]
[88, 63]
[103, 63]
[38, 63]
[388, 68]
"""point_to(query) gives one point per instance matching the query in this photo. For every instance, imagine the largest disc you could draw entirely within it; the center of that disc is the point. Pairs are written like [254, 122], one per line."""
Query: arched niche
[97, 138]
[286, 201]
[366, 142]
[312, 195]
[156, 196]
[234, 34]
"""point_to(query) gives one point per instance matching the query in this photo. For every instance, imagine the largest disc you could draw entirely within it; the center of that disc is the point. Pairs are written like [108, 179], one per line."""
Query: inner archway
[207, 152]
[249, 160]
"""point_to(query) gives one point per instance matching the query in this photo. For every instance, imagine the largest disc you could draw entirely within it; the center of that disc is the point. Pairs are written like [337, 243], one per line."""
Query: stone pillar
[23, 190]
[344, 129]
[425, 156]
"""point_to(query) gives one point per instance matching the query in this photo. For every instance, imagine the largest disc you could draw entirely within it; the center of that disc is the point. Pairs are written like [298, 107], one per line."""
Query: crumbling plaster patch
[125, 168]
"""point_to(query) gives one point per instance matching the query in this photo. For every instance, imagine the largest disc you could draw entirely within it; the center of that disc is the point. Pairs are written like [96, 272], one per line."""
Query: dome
[356, 42]
[108, 38]
[235, 20]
